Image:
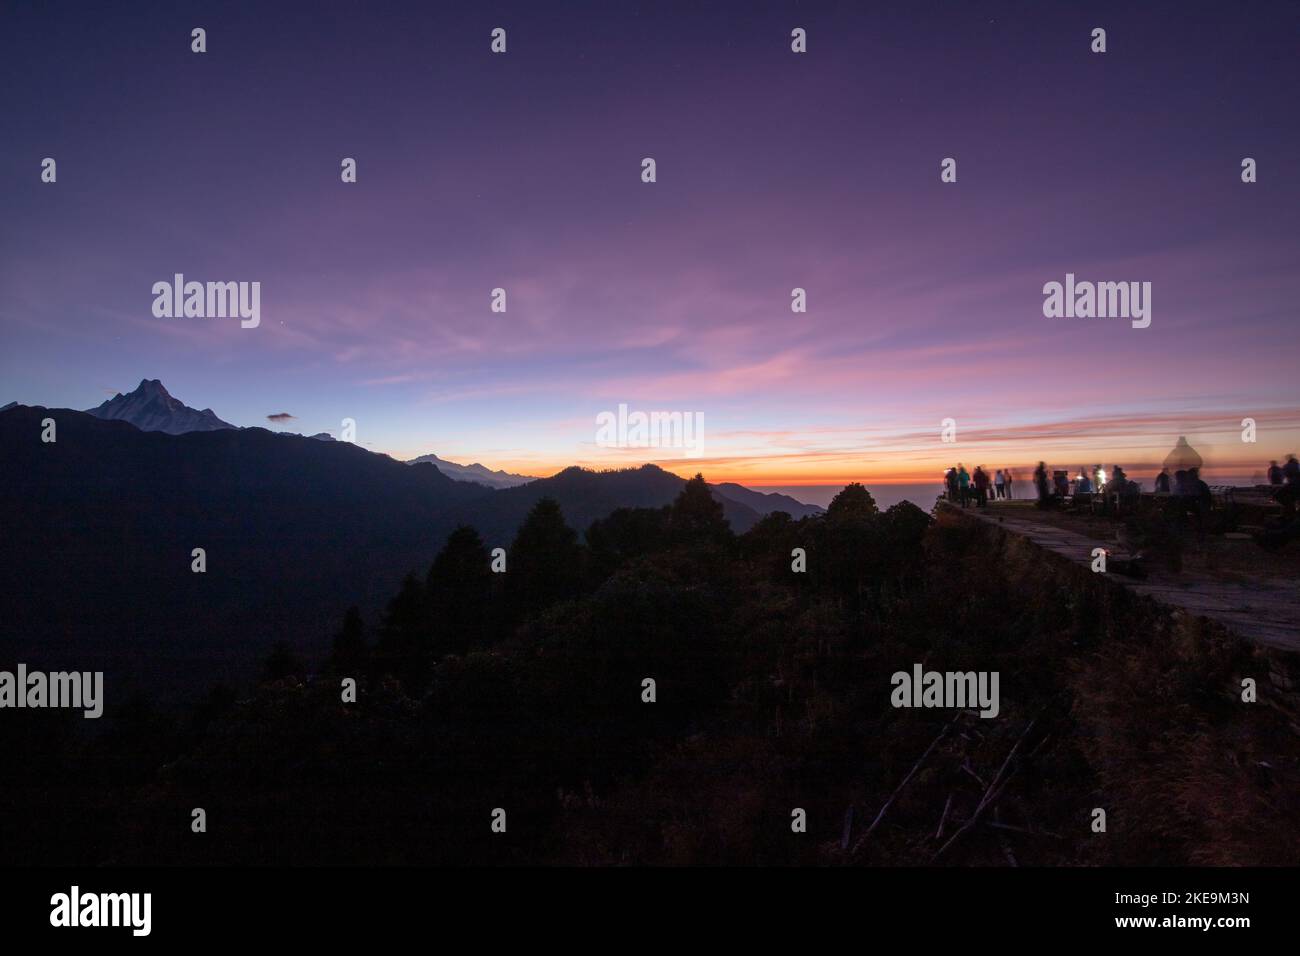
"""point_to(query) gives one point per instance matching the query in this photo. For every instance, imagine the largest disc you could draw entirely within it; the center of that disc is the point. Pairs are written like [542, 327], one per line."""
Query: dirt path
[1264, 610]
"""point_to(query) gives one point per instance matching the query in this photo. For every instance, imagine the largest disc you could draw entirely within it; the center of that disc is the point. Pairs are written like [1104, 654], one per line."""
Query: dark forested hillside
[586, 496]
[101, 523]
[661, 690]
[100, 526]
[648, 671]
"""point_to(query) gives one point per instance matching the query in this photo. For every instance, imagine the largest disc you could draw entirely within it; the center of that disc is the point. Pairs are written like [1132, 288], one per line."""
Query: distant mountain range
[613, 489]
[765, 503]
[151, 408]
[585, 496]
[100, 526]
[479, 474]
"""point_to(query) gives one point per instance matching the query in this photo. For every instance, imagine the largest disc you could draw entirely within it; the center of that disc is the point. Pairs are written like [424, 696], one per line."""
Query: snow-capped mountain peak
[476, 473]
[152, 408]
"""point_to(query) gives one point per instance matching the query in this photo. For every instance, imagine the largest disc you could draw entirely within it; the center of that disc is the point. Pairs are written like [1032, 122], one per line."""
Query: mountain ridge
[294, 530]
[766, 502]
[477, 473]
[586, 496]
[151, 408]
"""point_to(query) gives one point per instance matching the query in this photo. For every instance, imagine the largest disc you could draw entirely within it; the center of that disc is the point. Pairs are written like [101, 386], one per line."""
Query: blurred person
[1288, 494]
[1040, 485]
[981, 480]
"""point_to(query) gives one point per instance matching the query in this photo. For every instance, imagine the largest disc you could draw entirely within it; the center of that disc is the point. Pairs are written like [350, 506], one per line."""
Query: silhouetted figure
[1199, 489]
[1274, 473]
[1288, 494]
[1011, 480]
[963, 482]
[1126, 491]
[981, 487]
[1040, 485]
[1181, 489]
[1083, 492]
[999, 485]
[1200, 500]
[1162, 481]
[950, 481]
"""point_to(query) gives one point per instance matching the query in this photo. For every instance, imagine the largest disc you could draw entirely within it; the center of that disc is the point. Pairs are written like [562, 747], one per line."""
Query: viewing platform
[1227, 578]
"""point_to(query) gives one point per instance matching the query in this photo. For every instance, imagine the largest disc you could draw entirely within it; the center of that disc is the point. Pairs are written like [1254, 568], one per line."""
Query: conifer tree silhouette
[696, 516]
[350, 652]
[544, 561]
[405, 646]
[462, 595]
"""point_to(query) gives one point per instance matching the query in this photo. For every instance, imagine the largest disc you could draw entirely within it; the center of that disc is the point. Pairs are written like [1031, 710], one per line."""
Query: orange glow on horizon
[833, 458]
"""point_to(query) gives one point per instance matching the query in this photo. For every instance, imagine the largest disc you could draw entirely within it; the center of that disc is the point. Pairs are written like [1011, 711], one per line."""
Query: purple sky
[775, 170]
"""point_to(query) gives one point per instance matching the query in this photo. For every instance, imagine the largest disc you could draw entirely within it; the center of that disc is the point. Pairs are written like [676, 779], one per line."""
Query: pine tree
[405, 647]
[545, 560]
[696, 516]
[461, 592]
[625, 534]
[853, 503]
[848, 547]
[350, 650]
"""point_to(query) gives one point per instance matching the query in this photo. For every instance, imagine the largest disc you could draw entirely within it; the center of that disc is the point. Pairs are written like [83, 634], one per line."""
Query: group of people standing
[964, 488]
[1094, 487]
[1091, 485]
[977, 487]
[1178, 496]
[1184, 484]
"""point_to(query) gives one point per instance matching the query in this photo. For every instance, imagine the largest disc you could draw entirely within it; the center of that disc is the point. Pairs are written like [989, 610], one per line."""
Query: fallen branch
[938, 834]
[899, 789]
[1026, 830]
[991, 795]
[978, 779]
